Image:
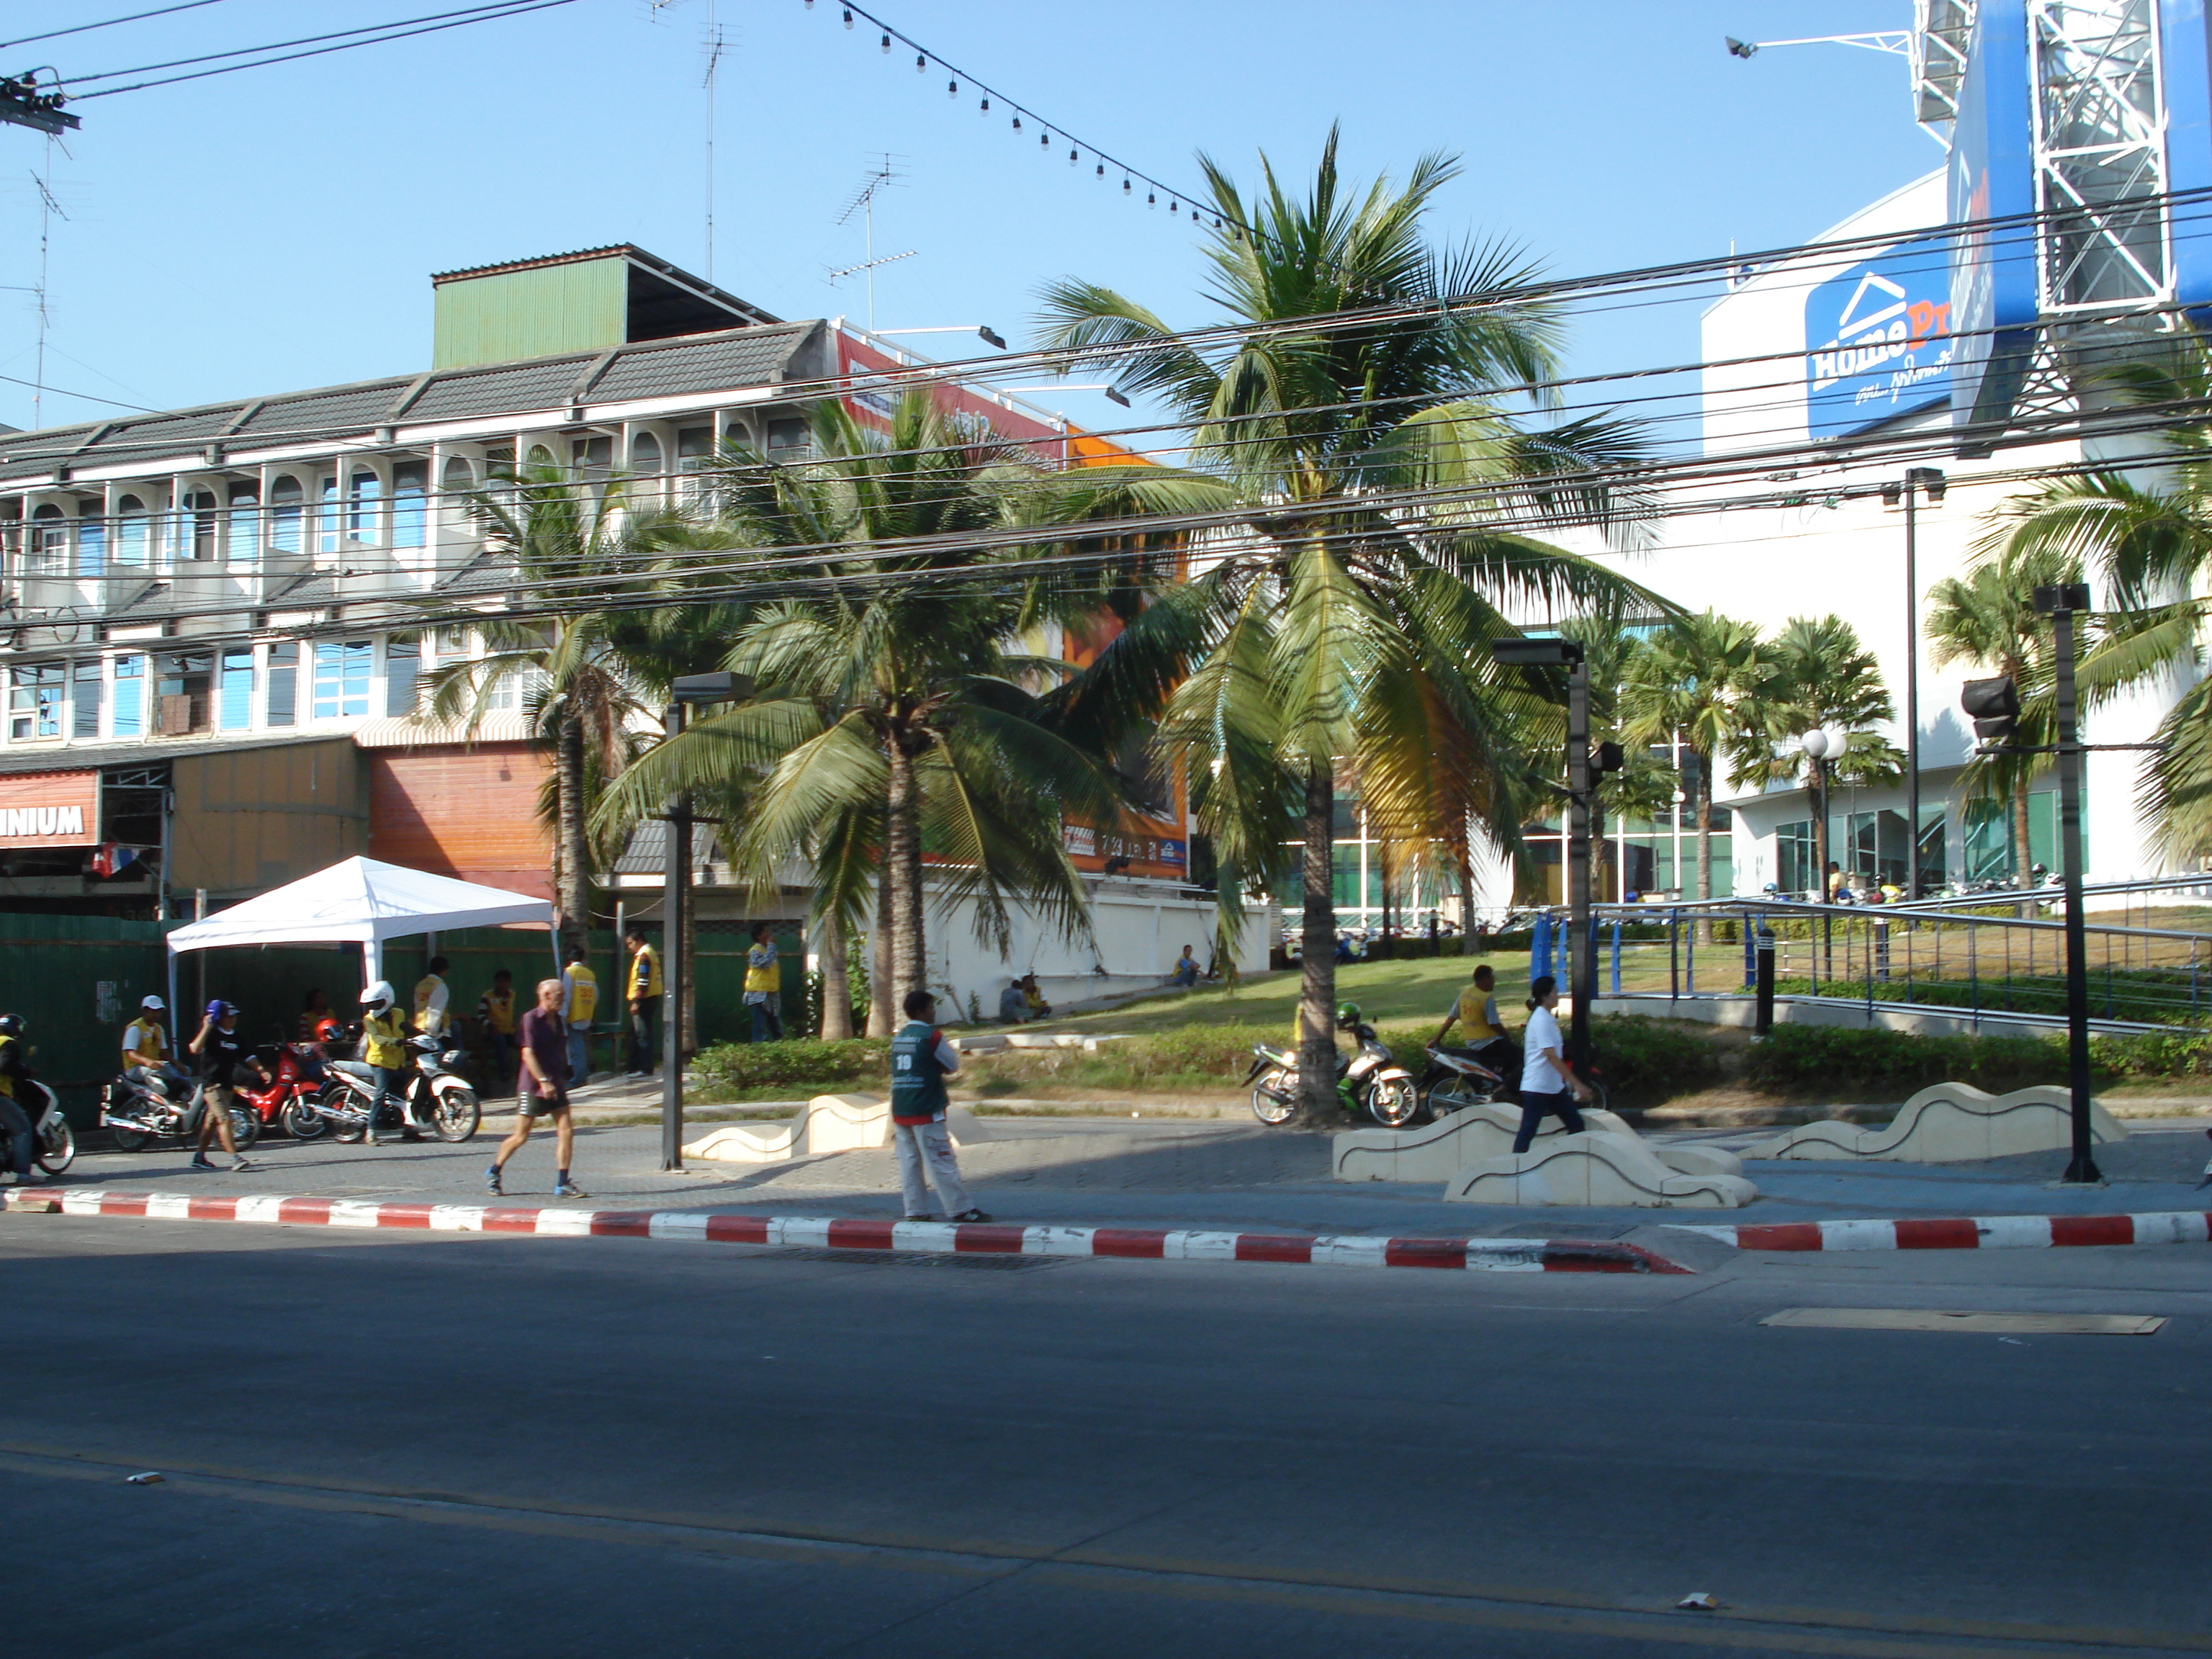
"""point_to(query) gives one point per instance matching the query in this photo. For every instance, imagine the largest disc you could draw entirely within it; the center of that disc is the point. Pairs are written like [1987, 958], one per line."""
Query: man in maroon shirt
[542, 1087]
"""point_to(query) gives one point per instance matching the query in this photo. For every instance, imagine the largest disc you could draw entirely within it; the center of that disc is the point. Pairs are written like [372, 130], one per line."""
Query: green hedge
[797, 1062]
[1830, 1059]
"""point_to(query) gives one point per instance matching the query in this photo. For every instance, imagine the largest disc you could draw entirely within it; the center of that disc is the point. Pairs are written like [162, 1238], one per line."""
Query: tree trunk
[1819, 842]
[883, 1016]
[687, 1037]
[574, 890]
[902, 859]
[1704, 798]
[2022, 856]
[1317, 1100]
[836, 983]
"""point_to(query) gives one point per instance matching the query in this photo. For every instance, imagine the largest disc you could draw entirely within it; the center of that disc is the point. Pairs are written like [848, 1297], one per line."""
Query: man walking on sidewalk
[542, 1088]
[922, 1060]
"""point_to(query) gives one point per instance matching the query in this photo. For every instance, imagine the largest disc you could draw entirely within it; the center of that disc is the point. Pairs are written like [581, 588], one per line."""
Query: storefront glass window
[35, 691]
[342, 675]
[129, 720]
[1793, 857]
[237, 691]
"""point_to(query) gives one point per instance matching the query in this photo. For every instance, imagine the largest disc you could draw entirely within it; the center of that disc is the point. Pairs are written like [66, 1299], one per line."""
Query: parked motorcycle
[1457, 1079]
[1374, 1083]
[437, 1096]
[54, 1147]
[137, 1114]
[289, 1080]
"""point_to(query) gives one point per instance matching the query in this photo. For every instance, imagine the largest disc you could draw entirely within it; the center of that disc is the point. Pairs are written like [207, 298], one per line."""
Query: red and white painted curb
[1994, 1232]
[822, 1232]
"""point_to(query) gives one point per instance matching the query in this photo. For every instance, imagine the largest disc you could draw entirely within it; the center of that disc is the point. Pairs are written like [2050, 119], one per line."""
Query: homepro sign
[1878, 340]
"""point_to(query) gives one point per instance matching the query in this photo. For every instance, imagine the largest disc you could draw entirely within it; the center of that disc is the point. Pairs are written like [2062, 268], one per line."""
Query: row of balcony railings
[1997, 958]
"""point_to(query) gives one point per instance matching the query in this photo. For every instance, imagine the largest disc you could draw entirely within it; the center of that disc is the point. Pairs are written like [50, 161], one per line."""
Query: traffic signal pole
[2083, 1169]
[1583, 965]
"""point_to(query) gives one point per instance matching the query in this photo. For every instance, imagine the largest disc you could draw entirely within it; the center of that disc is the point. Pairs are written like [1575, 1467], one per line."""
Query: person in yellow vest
[643, 995]
[146, 1049]
[496, 1012]
[764, 986]
[384, 1050]
[579, 1005]
[432, 998]
[1482, 1026]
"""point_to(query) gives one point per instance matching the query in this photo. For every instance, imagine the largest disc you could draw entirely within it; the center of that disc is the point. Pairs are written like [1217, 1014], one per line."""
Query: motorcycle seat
[353, 1068]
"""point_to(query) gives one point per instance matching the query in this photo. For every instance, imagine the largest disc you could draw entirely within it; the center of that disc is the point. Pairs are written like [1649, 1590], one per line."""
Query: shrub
[1643, 1060]
[1827, 1058]
[806, 1061]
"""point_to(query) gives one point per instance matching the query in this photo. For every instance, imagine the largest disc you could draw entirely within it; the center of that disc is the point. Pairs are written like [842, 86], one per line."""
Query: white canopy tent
[365, 902]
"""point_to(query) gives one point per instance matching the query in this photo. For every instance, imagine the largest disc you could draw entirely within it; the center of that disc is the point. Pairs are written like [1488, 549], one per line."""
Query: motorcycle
[1373, 1083]
[437, 1096]
[1456, 1079]
[54, 1146]
[288, 1081]
[137, 1114]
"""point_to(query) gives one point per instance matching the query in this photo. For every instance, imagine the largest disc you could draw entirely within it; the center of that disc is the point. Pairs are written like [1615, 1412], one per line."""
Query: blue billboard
[1994, 304]
[2185, 67]
[1878, 340]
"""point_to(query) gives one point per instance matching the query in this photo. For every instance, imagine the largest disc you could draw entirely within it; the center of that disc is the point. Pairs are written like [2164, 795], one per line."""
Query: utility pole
[1917, 480]
[2060, 604]
[676, 891]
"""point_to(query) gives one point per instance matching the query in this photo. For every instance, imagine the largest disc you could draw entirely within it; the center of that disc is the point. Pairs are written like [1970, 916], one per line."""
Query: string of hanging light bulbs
[1179, 200]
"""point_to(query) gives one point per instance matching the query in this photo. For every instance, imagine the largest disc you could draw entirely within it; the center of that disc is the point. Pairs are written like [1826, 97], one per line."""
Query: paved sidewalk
[1077, 1172]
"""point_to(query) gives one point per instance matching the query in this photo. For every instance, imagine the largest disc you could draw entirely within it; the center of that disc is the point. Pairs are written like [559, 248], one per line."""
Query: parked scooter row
[437, 1096]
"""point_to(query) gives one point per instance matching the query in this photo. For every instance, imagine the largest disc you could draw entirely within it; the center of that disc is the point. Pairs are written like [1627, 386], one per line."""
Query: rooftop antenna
[715, 46]
[886, 174]
[47, 208]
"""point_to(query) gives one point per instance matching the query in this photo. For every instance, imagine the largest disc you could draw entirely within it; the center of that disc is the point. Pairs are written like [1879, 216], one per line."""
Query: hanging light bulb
[951, 88]
[1017, 123]
[986, 106]
[1125, 187]
[1102, 169]
[887, 43]
[920, 62]
[1044, 138]
[1172, 206]
[1071, 158]
[810, 5]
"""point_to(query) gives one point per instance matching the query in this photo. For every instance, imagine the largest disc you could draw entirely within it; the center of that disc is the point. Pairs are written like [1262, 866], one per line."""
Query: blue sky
[275, 229]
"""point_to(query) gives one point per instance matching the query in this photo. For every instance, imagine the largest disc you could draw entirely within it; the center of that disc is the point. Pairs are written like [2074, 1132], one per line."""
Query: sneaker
[368, 1138]
[239, 1161]
[569, 1189]
[201, 1161]
[968, 1215]
[634, 1077]
[491, 1184]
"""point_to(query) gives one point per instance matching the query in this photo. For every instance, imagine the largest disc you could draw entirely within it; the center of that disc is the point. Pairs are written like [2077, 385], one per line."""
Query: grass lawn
[1397, 993]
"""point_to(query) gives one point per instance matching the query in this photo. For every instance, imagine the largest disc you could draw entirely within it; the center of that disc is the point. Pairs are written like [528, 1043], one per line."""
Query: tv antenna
[885, 175]
[715, 43]
[47, 208]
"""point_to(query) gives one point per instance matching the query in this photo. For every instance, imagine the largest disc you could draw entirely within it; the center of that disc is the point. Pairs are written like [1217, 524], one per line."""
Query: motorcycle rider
[14, 1121]
[221, 1051]
[146, 1049]
[1484, 1036]
[384, 1047]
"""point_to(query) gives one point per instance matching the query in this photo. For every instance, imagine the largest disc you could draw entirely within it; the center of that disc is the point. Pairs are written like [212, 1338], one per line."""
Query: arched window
[245, 538]
[49, 552]
[134, 532]
[539, 456]
[199, 524]
[287, 507]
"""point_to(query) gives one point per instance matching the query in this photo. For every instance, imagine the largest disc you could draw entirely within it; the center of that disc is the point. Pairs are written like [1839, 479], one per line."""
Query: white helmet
[379, 997]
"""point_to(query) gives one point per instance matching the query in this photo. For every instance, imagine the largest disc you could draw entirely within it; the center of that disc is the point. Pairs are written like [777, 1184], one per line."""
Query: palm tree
[2151, 544]
[575, 675]
[1346, 625]
[1817, 676]
[895, 713]
[1989, 619]
[1686, 685]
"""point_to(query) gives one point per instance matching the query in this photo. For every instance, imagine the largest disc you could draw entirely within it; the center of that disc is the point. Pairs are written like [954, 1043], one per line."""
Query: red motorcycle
[297, 1075]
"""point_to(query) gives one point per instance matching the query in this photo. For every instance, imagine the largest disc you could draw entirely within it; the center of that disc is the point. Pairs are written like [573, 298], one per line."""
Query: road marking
[1849, 1635]
[1986, 1324]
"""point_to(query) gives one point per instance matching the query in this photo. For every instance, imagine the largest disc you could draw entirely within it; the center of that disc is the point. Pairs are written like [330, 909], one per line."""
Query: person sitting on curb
[1038, 1007]
[921, 1059]
[1014, 1006]
[1185, 972]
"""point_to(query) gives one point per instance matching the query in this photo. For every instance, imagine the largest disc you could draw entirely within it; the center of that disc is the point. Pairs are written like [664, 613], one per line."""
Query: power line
[304, 40]
[110, 23]
[508, 11]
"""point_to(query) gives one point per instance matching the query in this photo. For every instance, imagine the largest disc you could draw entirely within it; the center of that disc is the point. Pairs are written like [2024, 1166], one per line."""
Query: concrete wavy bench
[1597, 1167]
[1474, 1134]
[1950, 1123]
[827, 1123]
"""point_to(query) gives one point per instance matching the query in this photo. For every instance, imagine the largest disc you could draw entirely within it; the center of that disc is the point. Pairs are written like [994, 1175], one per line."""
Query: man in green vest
[922, 1060]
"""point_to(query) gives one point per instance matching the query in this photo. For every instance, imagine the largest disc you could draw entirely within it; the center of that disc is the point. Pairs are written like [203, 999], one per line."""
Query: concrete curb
[824, 1232]
[2001, 1232]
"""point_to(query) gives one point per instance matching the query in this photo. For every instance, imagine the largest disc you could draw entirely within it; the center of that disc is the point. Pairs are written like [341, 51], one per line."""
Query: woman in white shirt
[1548, 1084]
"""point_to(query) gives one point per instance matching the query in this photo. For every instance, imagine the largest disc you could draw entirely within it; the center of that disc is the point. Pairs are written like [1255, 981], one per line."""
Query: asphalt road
[378, 1444]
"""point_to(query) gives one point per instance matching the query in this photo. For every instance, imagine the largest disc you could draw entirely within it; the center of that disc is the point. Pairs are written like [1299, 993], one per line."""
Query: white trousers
[930, 1141]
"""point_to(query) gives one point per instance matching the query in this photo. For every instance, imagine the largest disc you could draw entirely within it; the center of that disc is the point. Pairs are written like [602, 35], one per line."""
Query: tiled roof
[82, 757]
[728, 360]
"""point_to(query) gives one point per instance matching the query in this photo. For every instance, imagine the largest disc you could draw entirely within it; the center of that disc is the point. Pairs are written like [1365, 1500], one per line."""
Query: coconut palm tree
[1816, 677]
[576, 676]
[1383, 483]
[1687, 684]
[896, 713]
[1988, 618]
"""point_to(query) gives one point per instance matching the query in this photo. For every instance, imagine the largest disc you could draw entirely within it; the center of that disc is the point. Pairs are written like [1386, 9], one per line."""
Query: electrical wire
[513, 10]
[304, 40]
[107, 22]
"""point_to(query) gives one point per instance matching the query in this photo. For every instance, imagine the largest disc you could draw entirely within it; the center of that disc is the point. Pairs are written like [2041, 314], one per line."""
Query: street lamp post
[1820, 747]
[1583, 963]
[676, 901]
[1929, 481]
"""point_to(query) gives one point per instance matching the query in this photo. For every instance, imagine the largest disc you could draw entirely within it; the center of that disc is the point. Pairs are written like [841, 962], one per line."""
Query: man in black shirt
[221, 1053]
